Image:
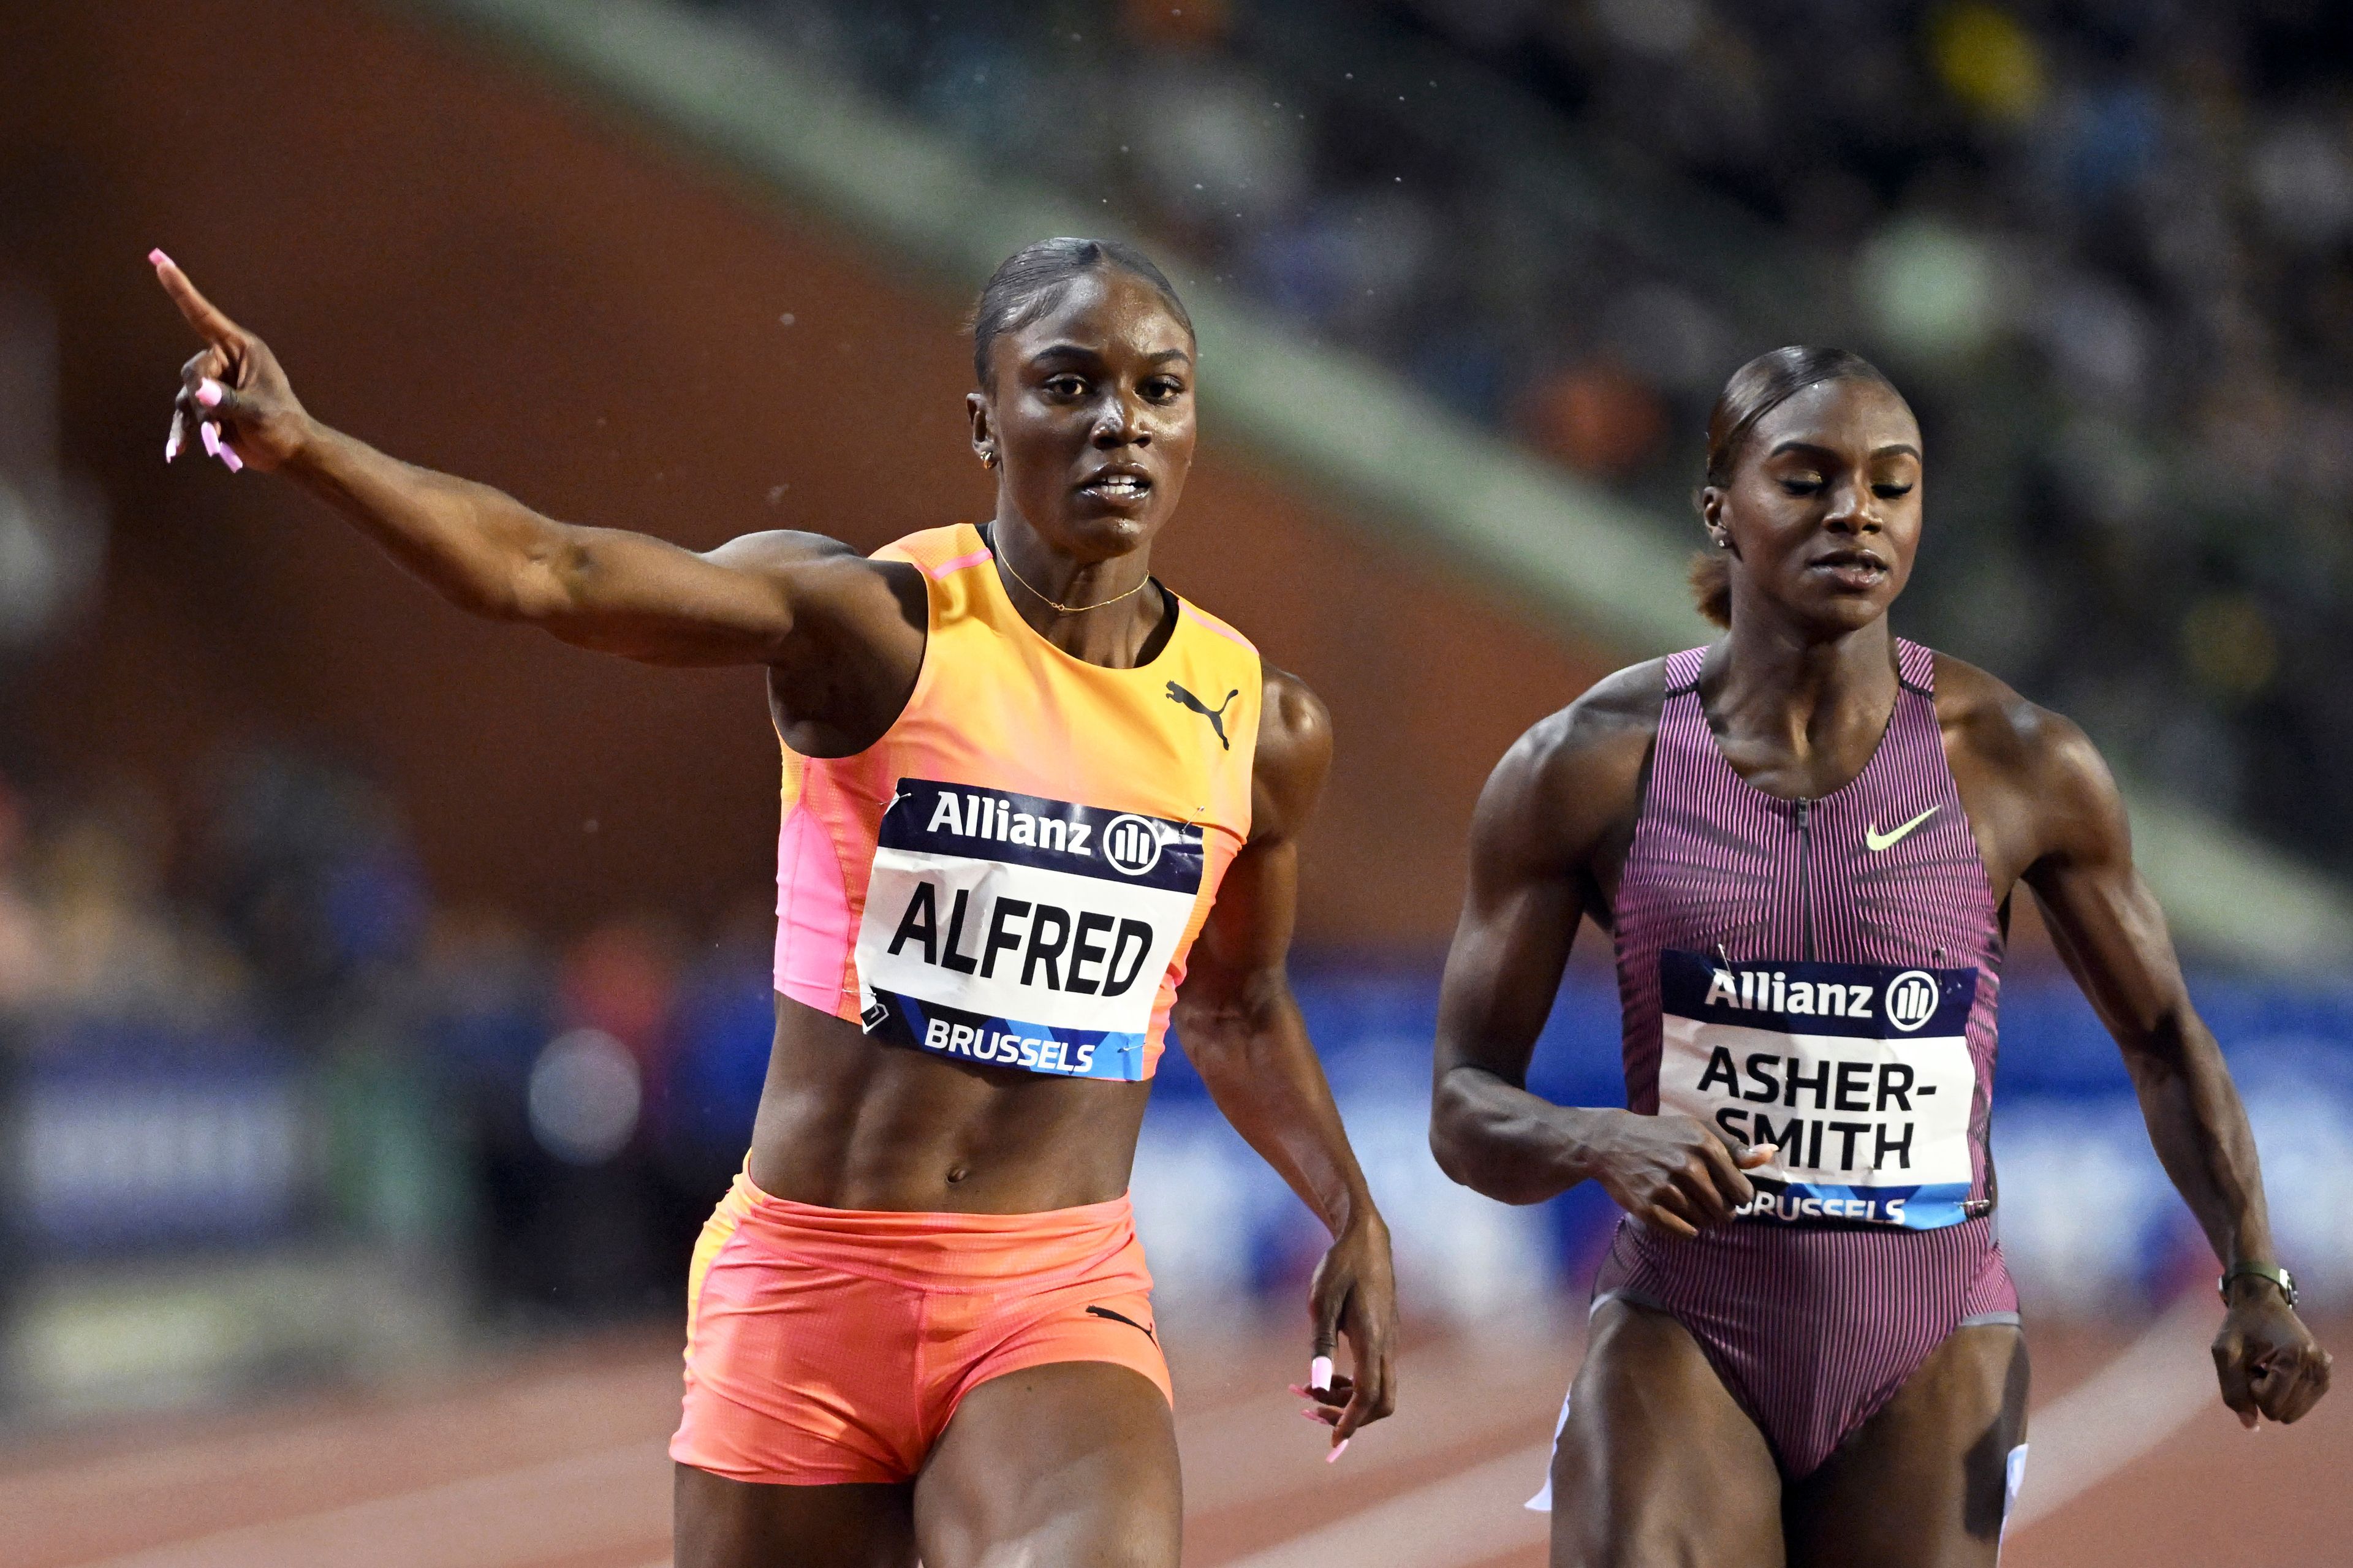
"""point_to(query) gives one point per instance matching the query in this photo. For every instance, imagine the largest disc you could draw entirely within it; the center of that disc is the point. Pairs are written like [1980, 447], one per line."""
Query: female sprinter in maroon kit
[1804, 839]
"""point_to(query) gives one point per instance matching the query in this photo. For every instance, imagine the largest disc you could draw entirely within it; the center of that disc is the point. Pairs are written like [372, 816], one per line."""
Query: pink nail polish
[1319, 1373]
[209, 393]
[228, 456]
[172, 441]
[157, 258]
[211, 434]
[1338, 1448]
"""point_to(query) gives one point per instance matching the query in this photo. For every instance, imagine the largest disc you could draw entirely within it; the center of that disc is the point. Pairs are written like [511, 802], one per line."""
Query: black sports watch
[2271, 1271]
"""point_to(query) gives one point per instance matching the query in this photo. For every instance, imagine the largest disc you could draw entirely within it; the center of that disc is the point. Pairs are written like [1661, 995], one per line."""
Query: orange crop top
[1014, 872]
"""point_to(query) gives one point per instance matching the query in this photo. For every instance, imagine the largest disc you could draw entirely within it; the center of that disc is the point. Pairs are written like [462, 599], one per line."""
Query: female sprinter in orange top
[1035, 805]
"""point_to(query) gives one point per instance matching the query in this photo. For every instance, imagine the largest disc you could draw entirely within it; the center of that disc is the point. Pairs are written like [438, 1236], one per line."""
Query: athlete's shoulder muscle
[1294, 756]
[860, 627]
[2031, 780]
[1568, 790]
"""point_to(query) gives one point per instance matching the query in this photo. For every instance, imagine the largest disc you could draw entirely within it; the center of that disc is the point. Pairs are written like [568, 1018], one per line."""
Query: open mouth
[1124, 486]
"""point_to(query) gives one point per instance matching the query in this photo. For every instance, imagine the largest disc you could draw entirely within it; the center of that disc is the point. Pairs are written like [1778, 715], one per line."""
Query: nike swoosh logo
[1143, 1329]
[1875, 840]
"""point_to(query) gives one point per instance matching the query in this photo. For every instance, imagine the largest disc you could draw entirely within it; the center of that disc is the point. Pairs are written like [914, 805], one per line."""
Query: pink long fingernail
[228, 457]
[211, 434]
[172, 441]
[157, 258]
[1338, 1448]
[1319, 1373]
[209, 393]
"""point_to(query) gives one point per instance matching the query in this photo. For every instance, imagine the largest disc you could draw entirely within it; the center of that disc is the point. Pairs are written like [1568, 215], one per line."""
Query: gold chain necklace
[1065, 609]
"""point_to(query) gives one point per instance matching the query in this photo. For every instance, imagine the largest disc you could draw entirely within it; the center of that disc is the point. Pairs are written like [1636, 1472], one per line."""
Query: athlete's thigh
[1657, 1466]
[721, 1523]
[1070, 1465]
[1921, 1484]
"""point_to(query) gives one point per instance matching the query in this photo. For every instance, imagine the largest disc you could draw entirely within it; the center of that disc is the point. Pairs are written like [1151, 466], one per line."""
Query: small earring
[988, 457]
[1723, 541]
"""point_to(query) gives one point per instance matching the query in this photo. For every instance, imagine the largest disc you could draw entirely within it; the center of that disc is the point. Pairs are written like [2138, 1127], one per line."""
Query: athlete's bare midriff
[849, 1122]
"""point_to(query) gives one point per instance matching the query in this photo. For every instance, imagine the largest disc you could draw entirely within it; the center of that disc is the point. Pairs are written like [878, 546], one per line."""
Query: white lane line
[2121, 1411]
[1465, 1518]
[583, 1503]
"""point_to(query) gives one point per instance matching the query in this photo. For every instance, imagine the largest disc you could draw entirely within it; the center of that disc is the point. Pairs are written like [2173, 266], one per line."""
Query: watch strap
[2271, 1271]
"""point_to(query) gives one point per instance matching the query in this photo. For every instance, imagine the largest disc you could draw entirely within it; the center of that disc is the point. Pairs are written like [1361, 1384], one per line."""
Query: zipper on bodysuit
[1805, 887]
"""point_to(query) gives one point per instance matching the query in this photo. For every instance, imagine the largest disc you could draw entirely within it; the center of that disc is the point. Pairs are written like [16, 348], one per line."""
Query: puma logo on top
[1217, 716]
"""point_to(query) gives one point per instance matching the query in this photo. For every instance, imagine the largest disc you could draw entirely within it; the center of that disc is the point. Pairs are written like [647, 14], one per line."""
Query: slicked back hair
[1752, 392]
[1026, 284]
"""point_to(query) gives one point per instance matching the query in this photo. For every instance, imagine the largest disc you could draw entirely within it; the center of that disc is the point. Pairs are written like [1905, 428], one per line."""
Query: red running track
[554, 1461]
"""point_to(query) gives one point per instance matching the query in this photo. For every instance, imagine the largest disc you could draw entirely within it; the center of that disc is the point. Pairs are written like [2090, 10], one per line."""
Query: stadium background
[383, 995]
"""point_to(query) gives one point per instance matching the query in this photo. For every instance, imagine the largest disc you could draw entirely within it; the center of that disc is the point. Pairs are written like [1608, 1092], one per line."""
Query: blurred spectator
[1597, 417]
[312, 878]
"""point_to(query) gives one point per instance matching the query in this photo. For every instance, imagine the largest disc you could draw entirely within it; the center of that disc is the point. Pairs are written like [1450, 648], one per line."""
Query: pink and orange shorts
[832, 1345]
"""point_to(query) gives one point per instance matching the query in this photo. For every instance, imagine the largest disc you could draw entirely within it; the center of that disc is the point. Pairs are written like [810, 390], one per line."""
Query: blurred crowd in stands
[2107, 245]
[240, 1019]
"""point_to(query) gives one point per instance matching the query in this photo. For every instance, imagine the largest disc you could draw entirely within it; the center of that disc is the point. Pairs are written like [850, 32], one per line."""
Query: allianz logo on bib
[1869, 1001]
[985, 813]
[1131, 845]
[1908, 1001]
[929, 818]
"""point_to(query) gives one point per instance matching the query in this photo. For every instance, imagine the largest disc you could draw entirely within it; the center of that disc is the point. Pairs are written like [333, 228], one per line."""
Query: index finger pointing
[201, 313]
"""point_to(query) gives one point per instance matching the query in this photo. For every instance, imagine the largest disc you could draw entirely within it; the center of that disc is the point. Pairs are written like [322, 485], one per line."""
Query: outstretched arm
[747, 602]
[1561, 795]
[2112, 936]
[1241, 1026]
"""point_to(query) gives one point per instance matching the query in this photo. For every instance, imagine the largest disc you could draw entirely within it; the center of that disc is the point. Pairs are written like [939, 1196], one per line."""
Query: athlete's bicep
[2103, 918]
[1523, 897]
[1247, 932]
[749, 601]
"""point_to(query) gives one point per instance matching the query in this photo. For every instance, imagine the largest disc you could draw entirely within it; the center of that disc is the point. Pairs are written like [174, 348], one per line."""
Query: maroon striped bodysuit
[1821, 976]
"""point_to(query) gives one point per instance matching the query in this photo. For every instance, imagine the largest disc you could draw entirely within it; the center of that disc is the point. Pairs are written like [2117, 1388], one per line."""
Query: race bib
[1858, 1073]
[1021, 931]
